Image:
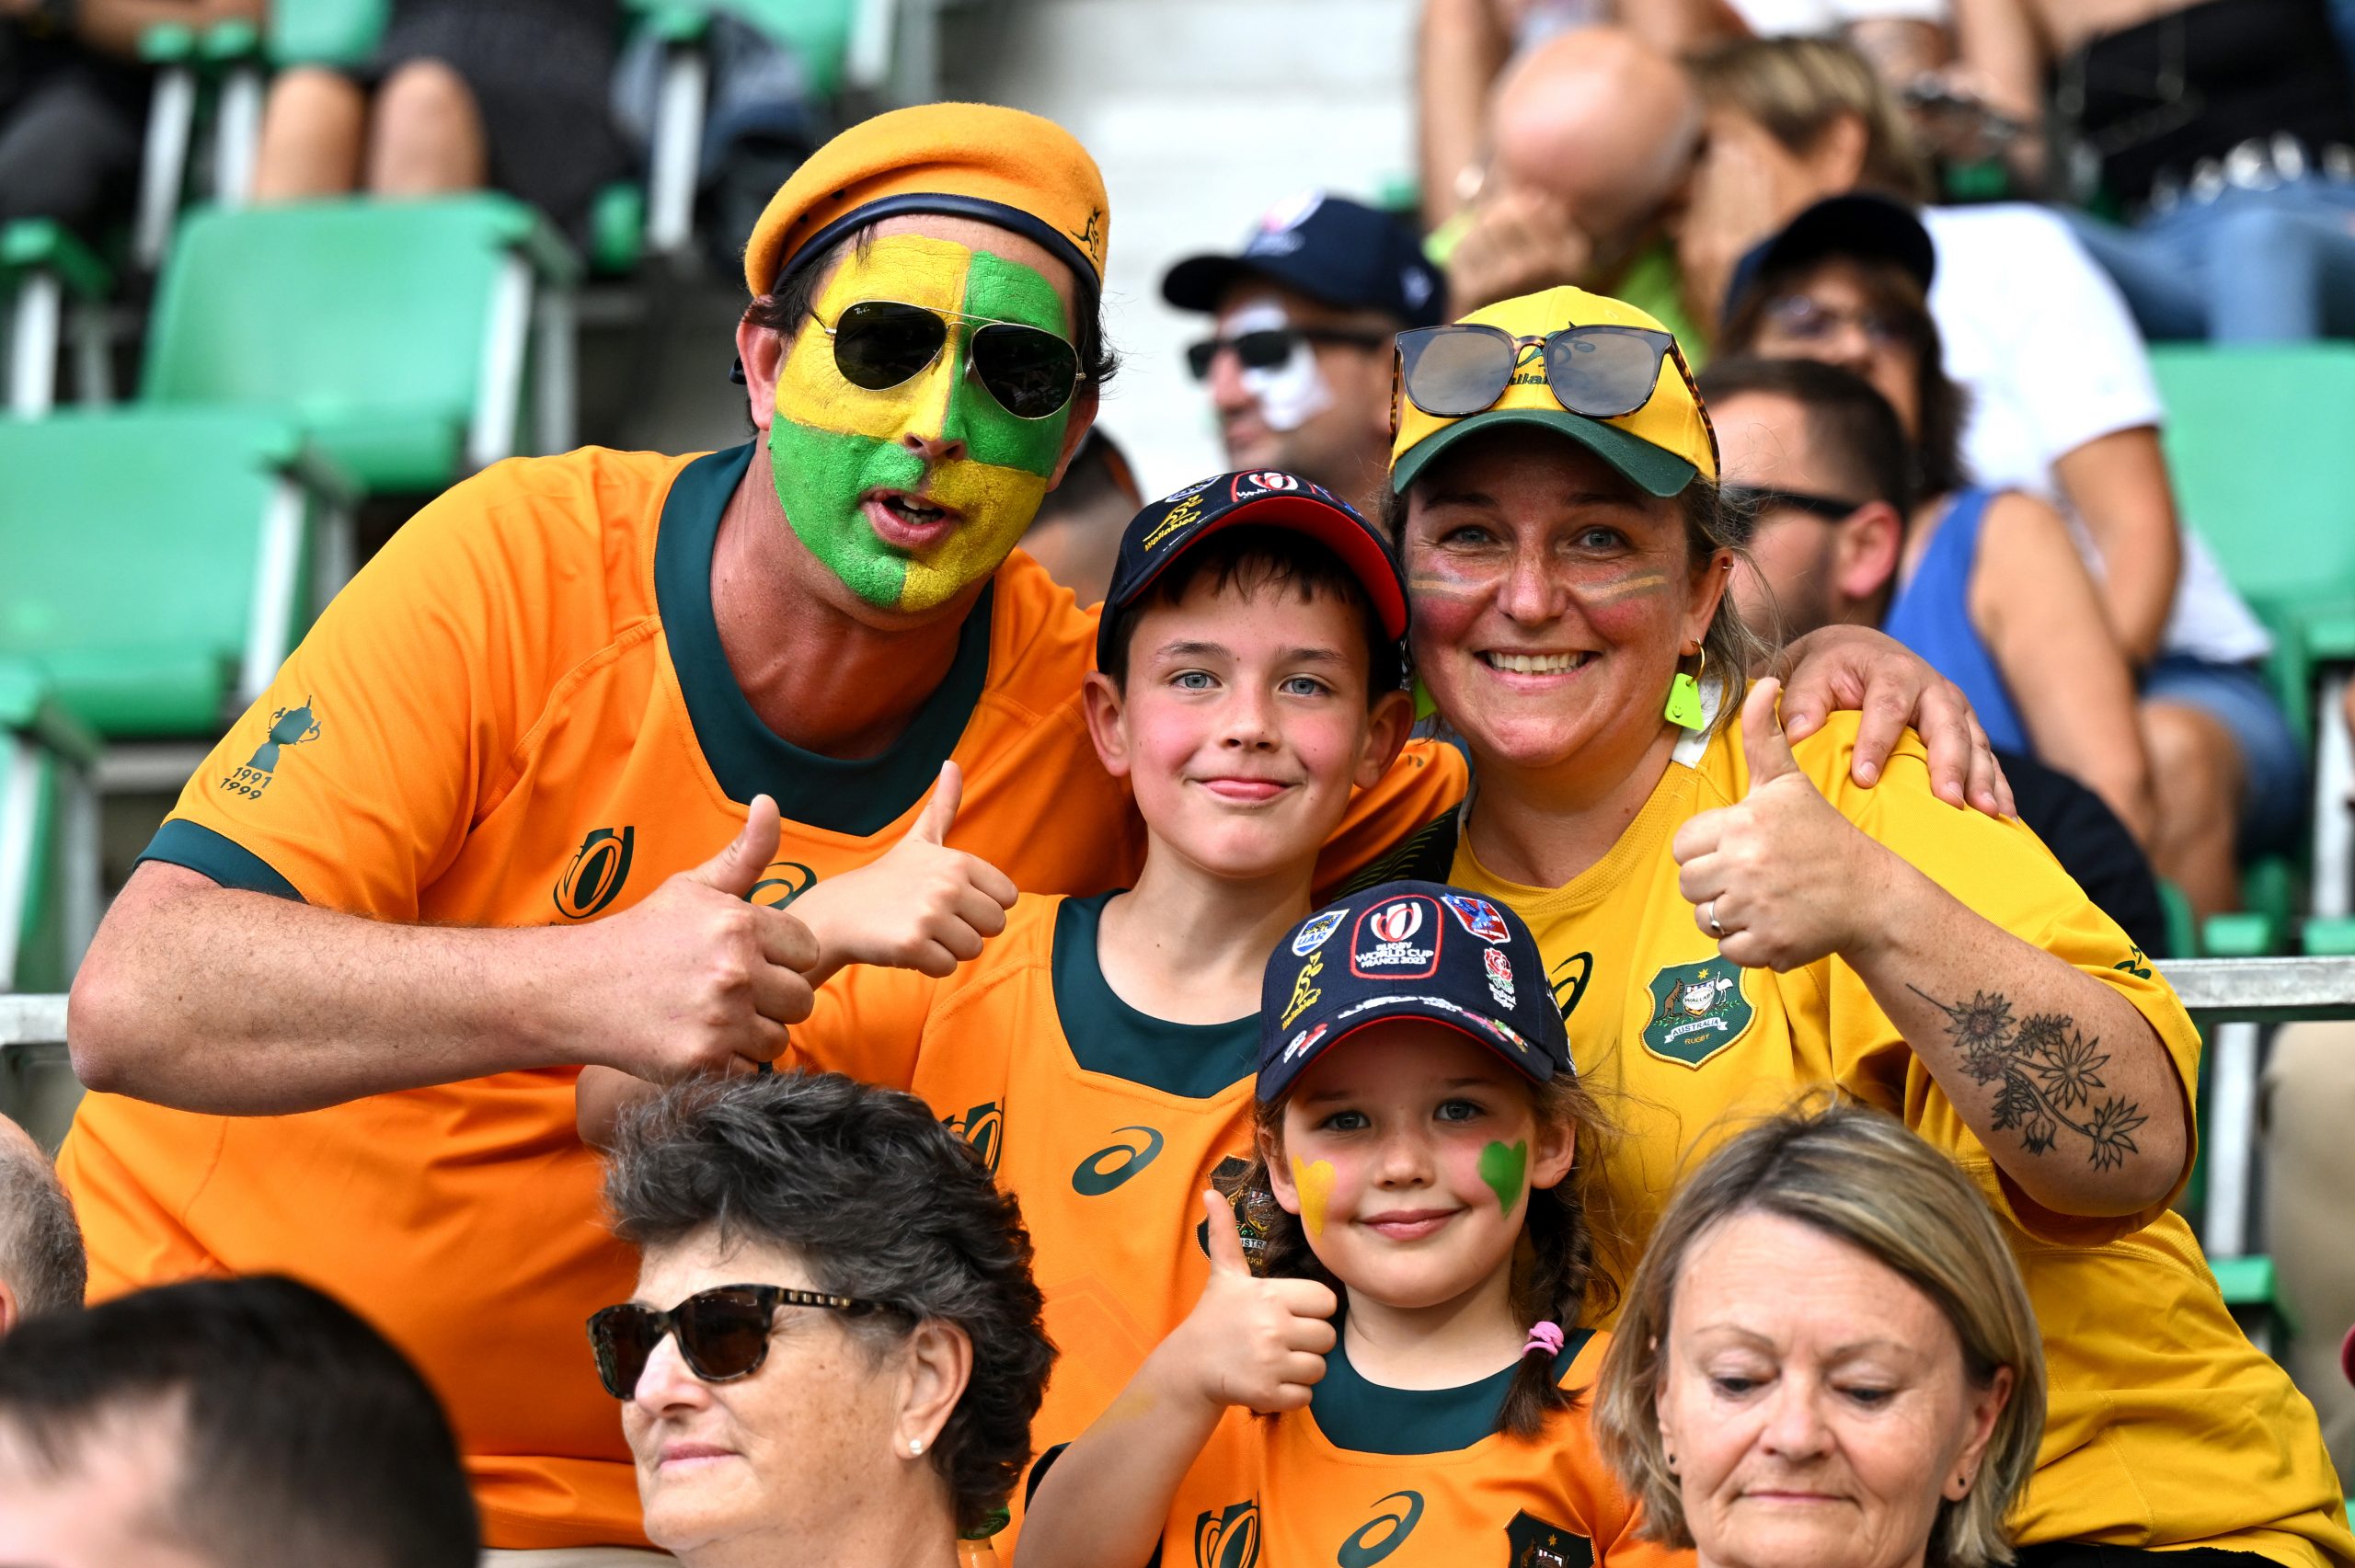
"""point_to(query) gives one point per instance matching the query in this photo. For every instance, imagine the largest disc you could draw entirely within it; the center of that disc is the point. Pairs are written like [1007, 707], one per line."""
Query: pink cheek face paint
[1313, 1181]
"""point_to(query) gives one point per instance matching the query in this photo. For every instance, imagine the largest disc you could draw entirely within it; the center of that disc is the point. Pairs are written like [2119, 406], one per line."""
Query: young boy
[1100, 1053]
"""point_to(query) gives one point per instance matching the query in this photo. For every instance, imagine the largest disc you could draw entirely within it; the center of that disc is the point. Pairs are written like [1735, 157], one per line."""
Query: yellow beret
[967, 160]
[1660, 446]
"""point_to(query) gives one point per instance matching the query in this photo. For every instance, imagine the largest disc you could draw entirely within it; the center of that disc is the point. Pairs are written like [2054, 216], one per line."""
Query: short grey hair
[879, 1201]
[40, 1243]
[1862, 1177]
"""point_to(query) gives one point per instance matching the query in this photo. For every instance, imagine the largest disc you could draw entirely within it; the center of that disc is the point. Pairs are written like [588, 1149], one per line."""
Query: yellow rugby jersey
[2166, 1427]
[521, 714]
[1409, 1478]
[1105, 1122]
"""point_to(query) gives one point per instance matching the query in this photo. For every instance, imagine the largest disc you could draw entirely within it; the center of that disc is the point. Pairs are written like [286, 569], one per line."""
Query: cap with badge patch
[1591, 368]
[1338, 252]
[1258, 498]
[1417, 950]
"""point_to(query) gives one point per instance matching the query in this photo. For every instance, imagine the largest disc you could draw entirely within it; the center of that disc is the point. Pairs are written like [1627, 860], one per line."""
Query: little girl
[1422, 1262]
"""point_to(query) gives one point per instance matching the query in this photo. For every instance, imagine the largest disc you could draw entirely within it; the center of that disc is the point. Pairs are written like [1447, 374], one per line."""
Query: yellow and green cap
[1660, 447]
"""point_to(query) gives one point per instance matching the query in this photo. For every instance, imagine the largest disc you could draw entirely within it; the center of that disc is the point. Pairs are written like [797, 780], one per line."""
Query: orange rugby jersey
[521, 714]
[1409, 1478]
[1105, 1122]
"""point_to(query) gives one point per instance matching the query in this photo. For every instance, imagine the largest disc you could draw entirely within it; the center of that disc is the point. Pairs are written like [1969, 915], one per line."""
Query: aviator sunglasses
[1604, 372]
[880, 343]
[723, 1332]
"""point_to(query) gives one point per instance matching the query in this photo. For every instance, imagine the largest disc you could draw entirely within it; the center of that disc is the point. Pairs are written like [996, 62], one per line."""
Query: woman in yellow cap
[1727, 917]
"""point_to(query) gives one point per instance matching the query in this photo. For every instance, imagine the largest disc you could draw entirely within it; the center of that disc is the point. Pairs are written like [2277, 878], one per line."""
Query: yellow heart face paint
[1314, 1182]
[832, 442]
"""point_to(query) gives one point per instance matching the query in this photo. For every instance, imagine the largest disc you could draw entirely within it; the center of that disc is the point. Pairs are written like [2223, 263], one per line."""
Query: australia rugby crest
[1697, 1011]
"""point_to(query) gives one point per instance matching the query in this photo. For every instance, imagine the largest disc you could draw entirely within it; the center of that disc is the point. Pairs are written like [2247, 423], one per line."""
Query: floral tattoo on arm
[2049, 1072]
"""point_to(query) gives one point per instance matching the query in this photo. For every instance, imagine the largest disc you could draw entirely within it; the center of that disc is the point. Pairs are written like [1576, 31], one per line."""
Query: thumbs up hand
[1252, 1342]
[1779, 879]
[693, 978]
[920, 906]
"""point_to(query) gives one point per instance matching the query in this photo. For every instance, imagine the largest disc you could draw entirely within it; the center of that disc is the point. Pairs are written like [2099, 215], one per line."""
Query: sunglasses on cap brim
[1604, 372]
[882, 343]
[723, 1332]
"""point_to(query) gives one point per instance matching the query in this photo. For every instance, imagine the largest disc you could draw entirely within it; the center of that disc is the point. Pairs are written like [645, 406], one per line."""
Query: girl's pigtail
[1555, 1269]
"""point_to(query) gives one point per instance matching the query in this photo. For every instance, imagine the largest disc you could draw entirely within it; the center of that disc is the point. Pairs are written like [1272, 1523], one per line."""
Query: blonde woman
[1827, 1359]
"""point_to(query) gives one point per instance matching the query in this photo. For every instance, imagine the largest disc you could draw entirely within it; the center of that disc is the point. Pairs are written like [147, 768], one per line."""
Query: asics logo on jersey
[594, 877]
[1383, 1534]
[1569, 979]
[1107, 1168]
[979, 1126]
[1228, 1540]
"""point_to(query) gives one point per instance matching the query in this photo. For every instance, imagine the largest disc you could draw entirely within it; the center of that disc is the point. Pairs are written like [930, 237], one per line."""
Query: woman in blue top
[1988, 585]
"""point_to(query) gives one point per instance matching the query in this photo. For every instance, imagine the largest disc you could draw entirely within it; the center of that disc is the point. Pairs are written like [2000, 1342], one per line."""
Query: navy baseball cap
[1857, 225]
[1262, 498]
[1338, 252]
[1408, 950]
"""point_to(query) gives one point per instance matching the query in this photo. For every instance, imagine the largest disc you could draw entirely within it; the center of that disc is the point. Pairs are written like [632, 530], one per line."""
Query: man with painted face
[1297, 363]
[533, 792]
[508, 809]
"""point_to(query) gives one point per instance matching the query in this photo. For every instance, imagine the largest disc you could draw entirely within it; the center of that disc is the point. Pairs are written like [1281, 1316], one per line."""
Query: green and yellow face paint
[833, 444]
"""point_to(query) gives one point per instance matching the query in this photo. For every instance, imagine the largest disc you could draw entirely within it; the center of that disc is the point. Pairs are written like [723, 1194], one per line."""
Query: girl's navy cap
[1408, 950]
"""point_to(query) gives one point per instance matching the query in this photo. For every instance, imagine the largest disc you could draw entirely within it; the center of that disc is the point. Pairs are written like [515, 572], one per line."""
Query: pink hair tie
[1546, 1337]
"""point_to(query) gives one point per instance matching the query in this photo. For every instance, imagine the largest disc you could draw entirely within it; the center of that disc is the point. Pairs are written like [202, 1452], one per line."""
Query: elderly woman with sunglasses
[835, 1352]
[1728, 919]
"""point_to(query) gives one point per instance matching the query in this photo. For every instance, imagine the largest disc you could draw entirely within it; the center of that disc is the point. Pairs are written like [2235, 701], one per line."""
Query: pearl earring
[915, 1445]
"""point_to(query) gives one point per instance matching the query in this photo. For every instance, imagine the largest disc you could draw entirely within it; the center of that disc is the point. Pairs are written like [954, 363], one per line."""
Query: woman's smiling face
[1552, 601]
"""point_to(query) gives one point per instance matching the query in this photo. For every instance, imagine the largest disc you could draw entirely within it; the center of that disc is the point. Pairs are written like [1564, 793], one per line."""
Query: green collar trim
[1196, 1060]
[857, 796]
[1367, 1418]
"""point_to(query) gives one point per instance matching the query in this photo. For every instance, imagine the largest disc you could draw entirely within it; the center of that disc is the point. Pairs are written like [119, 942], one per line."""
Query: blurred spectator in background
[461, 94]
[1304, 316]
[1992, 595]
[1076, 536]
[223, 1424]
[2062, 406]
[2222, 131]
[72, 98]
[1463, 46]
[41, 1265]
[1591, 134]
[1991, 590]
[2308, 1105]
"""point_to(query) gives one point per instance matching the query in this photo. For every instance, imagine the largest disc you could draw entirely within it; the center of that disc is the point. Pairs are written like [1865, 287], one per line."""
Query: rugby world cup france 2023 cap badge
[1397, 939]
[1699, 1010]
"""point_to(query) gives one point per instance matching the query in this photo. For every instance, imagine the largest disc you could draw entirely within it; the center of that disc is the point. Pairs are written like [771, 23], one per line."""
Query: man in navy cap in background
[1298, 360]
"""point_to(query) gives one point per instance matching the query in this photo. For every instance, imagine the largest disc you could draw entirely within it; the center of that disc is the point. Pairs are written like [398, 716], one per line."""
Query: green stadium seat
[401, 335]
[49, 834]
[2255, 438]
[325, 32]
[163, 562]
[42, 266]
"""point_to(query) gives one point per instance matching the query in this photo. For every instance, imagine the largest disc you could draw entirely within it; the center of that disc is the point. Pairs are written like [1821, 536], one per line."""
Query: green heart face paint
[1507, 1172]
[832, 443]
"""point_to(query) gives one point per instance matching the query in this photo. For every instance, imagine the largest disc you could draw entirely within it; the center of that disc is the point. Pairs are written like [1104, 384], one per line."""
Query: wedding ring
[1709, 918]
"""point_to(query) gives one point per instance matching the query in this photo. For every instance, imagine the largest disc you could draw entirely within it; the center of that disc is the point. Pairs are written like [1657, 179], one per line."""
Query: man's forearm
[2059, 1075]
[213, 999]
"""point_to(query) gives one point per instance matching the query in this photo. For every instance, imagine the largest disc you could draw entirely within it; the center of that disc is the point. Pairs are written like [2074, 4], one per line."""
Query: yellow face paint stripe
[913, 270]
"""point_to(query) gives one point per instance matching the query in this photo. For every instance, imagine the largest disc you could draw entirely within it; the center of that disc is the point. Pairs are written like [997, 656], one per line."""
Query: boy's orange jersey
[1106, 1124]
[1409, 1478]
[521, 714]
